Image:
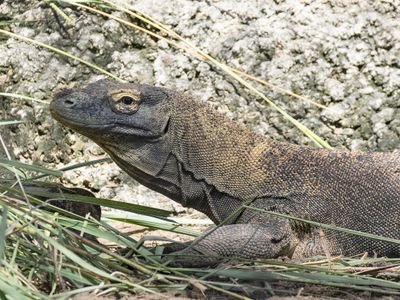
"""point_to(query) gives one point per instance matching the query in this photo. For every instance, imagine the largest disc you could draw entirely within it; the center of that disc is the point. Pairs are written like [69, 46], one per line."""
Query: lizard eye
[125, 101]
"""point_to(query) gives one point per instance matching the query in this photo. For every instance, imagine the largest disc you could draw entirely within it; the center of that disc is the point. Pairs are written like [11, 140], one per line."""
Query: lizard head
[114, 110]
[130, 122]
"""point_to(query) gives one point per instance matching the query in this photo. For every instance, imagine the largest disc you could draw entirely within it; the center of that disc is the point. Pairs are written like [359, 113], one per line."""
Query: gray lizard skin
[182, 148]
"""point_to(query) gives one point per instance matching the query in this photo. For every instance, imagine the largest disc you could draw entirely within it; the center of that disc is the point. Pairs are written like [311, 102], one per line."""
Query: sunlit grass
[39, 241]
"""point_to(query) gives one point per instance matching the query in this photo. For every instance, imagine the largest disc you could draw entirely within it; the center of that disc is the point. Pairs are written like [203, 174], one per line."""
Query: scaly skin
[187, 151]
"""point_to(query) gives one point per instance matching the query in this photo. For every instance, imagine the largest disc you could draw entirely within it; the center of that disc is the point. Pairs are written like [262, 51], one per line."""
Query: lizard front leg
[269, 240]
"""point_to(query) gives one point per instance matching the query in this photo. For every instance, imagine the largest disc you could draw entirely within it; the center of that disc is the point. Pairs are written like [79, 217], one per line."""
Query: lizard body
[184, 149]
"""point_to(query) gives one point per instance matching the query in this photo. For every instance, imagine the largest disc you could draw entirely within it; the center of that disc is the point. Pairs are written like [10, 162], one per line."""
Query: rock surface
[342, 54]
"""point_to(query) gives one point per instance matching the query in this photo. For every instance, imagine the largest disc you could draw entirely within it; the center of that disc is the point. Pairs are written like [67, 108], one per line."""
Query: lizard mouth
[69, 119]
[92, 127]
[90, 116]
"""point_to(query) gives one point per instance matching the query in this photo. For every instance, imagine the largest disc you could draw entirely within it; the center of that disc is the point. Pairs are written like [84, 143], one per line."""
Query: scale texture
[184, 149]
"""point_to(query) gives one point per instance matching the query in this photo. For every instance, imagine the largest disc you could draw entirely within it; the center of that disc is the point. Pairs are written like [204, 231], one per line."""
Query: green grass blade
[3, 228]
[93, 229]
[86, 163]
[30, 167]
[152, 223]
[13, 170]
[3, 123]
[7, 288]
[75, 166]
[140, 209]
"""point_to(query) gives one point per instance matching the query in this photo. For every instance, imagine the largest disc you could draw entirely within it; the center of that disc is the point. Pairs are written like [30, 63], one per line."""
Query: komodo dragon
[184, 149]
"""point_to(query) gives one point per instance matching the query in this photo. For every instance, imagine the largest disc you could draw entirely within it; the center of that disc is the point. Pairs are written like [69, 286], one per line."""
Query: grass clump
[47, 254]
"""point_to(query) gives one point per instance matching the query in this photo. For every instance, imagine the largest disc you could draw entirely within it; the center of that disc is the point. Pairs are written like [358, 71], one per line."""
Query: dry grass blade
[23, 97]
[59, 11]
[195, 50]
[278, 88]
[58, 51]
[187, 46]
[318, 140]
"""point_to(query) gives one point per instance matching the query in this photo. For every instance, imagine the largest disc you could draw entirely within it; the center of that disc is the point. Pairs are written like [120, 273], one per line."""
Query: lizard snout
[69, 102]
[71, 107]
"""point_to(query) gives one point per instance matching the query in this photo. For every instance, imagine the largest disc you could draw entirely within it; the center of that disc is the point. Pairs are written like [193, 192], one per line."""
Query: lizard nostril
[69, 103]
